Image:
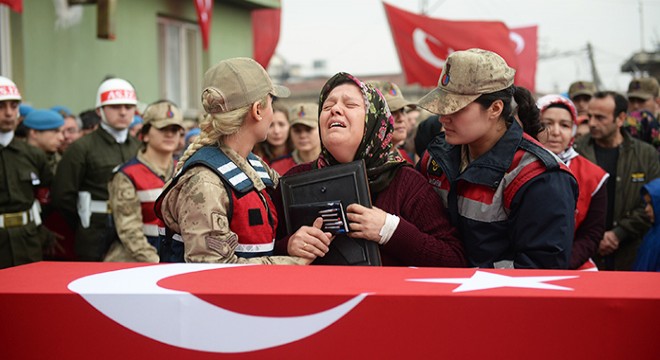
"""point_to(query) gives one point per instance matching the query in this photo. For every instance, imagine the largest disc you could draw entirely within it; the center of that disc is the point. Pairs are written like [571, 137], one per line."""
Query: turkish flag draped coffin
[204, 12]
[210, 311]
[423, 44]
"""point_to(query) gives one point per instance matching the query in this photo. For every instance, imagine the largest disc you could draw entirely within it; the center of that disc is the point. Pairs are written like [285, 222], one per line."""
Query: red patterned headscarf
[376, 148]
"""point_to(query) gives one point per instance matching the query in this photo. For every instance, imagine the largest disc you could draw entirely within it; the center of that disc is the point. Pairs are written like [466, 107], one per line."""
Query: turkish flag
[423, 43]
[265, 33]
[204, 12]
[526, 48]
[16, 5]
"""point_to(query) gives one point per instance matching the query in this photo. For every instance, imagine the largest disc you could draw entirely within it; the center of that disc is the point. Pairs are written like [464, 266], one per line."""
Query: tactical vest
[148, 186]
[251, 213]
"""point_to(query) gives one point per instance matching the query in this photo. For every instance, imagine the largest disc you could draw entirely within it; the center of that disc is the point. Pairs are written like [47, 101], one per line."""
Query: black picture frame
[347, 183]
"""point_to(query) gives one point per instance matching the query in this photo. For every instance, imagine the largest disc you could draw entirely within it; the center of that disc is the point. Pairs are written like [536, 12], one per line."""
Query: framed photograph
[326, 193]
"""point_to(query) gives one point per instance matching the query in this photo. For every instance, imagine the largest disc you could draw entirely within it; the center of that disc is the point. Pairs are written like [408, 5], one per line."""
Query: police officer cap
[43, 120]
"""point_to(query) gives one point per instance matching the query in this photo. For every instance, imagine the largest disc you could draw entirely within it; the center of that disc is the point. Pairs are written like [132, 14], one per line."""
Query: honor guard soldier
[24, 179]
[81, 183]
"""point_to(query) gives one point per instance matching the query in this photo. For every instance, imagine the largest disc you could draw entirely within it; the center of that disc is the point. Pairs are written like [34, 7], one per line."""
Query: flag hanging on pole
[204, 12]
[16, 5]
[265, 33]
[526, 48]
[423, 43]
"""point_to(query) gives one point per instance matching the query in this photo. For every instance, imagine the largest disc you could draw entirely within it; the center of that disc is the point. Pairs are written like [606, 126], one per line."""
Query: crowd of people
[493, 178]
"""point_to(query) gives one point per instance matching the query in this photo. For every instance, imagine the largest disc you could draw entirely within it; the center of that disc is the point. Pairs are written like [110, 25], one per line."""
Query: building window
[5, 43]
[180, 64]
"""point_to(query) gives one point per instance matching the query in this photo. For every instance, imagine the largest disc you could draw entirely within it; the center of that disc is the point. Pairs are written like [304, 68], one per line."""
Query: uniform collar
[242, 164]
[120, 136]
[6, 138]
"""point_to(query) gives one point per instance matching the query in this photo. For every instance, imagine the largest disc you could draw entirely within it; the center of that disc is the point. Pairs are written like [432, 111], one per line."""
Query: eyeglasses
[70, 131]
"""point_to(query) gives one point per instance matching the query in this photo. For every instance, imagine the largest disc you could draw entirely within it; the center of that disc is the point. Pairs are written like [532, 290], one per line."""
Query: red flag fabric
[423, 43]
[204, 12]
[526, 48]
[265, 34]
[16, 5]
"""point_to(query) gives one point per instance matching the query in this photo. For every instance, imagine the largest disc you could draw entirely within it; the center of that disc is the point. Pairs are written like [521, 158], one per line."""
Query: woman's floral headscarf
[381, 157]
[553, 100]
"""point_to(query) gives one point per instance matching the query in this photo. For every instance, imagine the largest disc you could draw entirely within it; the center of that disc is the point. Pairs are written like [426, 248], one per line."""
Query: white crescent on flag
[518, 40]
[181, 319]
[424, 51]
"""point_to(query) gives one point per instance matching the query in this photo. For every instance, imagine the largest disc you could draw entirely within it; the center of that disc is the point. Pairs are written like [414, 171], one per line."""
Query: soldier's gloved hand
[310, 242]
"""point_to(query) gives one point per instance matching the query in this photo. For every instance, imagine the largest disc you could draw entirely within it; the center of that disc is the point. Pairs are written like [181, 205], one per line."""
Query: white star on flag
[482, 280]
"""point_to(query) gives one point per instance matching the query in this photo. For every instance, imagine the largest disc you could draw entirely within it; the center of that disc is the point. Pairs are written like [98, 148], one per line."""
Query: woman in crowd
[304, 136]
[512, 201]
[407, 220]
[559, 120]
[136, 185]
[217, 209]
[277, 143]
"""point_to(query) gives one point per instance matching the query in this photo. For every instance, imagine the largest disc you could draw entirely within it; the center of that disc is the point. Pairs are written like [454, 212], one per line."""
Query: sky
[354, 35]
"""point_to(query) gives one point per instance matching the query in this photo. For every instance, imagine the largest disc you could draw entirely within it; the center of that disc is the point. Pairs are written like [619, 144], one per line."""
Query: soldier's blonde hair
[215, 128]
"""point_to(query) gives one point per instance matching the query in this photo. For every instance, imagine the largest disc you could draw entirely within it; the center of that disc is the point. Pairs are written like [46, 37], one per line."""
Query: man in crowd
[71, 130]
[631, 163]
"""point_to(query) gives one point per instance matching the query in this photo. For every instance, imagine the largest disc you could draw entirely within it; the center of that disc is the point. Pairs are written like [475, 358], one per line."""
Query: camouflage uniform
[22, 168]
[87, 166]
[196, 208]
[127, 213]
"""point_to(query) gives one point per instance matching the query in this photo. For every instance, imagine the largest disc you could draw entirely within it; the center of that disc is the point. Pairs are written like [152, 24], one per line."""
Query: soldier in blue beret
[45, 132]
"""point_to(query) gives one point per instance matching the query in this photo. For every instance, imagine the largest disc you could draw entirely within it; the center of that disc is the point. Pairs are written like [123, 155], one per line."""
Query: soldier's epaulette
[213, 158]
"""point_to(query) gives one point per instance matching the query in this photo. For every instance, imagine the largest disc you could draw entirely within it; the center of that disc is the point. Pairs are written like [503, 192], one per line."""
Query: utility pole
[594, 71]
[641, 27]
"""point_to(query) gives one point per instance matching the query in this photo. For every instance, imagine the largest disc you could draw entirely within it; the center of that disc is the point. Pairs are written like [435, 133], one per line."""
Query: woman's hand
[365, 223]
[310, 242]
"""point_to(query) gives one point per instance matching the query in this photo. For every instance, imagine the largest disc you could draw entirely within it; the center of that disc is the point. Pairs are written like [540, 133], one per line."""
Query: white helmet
[115, 91]
[8, 90]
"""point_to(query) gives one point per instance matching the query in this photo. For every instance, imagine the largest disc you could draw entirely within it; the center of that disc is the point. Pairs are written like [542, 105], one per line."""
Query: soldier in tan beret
[513, 201]
[136, 184]
[217, 208]
[644, 94]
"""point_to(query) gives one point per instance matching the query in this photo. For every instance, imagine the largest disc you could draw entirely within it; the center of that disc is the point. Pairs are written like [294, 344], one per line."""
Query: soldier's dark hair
[620, 102]
[89, 119]
[528, 112]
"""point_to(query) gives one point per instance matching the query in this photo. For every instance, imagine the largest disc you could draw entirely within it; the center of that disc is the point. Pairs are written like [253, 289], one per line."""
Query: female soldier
[512, 200]
[137, 183]
[216, 209]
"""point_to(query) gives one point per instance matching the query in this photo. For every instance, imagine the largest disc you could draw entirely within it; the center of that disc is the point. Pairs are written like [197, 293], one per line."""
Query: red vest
[148, 186]
[254, 220]
[590, 178]
[251, 214]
